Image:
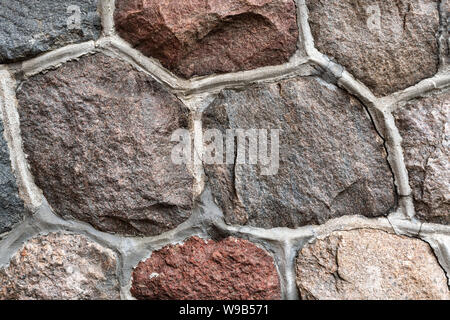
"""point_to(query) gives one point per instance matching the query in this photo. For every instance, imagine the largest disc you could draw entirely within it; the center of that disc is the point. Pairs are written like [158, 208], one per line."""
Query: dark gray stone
[31, 27]
[11, 206]
[98, 138]
[332, 161]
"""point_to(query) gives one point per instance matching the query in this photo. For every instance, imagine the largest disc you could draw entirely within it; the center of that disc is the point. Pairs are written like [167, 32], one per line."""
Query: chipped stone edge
[207, 219]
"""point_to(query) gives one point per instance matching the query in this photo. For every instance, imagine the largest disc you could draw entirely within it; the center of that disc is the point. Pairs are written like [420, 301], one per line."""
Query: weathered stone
[202, 37]
[11, 206]
[31, 27]
[98, 134]
[369, 264]
[444, 40]
[204, 269]
[60, 267]
[388, 45]
[332, 161]
[424, 125]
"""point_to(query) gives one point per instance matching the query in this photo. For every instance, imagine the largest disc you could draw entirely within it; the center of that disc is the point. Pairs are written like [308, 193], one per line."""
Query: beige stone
[370, 264]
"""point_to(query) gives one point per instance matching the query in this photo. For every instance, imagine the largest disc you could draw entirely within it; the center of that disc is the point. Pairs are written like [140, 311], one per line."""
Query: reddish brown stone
[97, 134]
[205, 269]
[201, 37]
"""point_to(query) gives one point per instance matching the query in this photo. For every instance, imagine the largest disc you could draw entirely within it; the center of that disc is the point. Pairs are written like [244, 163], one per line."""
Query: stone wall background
[200, 240]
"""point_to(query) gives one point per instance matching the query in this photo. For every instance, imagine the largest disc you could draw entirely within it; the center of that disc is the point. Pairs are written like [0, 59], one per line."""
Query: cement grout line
[28, 191]
[107, 8]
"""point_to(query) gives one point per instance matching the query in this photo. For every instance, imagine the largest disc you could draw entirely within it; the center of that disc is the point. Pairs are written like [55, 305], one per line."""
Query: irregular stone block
[388, 45]
[31, 27]
[200, 269]
[11, 206]
[332, 162]
[202, 37]
[60, 267]
[424, 125]
[369, 265]
[98, 138]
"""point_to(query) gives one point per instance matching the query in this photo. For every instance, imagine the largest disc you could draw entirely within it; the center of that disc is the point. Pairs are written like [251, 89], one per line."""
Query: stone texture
[445, 33]
[31, 27]
[370, 264]
[424, 125]
[388, 53]
[332, 161]
[230, 269]
[97, 134]
[202, 37]
[11, 206]
[60, 267]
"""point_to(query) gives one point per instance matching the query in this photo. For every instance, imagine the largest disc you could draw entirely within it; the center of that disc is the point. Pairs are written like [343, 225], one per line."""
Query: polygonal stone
[204, 269]
[332, 162]
[98, 137]
[388, 45]
[11, 206]
[202, 37]
[60, 267]
[367, 265]
[424, 125]
[31, 27]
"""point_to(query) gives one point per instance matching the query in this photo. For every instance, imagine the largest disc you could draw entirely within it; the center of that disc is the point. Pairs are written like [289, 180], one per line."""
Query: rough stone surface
[60, 267]
[424, 125]
[31, 27]
[98, 134]
[11, 206]
[388, 45]
[205, 269]
[445, 33]
[201, 37]
[370, 264]
[332, 161]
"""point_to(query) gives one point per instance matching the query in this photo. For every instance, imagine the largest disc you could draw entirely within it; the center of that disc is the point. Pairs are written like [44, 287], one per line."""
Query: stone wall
[93, 206]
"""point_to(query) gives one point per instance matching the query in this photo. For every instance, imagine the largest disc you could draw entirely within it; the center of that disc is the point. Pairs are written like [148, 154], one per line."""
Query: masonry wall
[353, 203]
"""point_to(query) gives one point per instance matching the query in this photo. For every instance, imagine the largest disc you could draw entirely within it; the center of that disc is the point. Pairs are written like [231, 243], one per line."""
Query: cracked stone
[11, 206]
[424, 125]
[230, 269]
[332, 162]
[388, 45]
[60, 267]
[98, 138]
[31, 27]
[202, 37]
[370, 264]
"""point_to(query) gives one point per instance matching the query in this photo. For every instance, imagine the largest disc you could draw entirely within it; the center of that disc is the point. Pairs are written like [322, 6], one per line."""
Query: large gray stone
[332, 161]
[11, 206]
[31, 27]
[388, 45]
[424, 125]
[98, 138]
